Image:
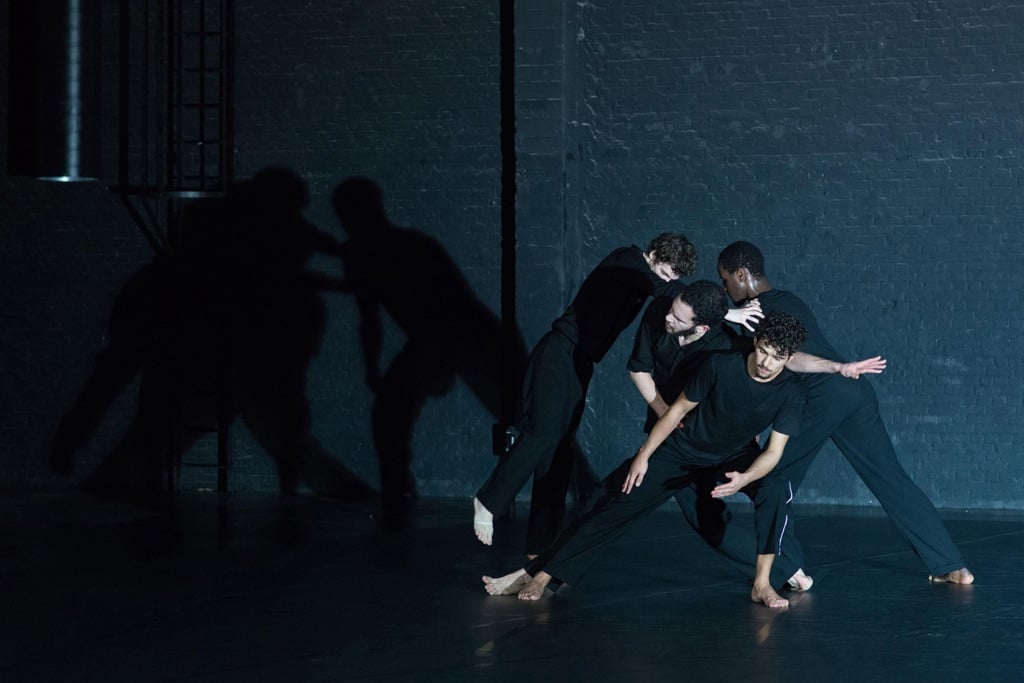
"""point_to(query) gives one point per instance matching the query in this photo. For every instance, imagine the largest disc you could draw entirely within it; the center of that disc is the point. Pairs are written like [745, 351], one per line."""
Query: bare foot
[510, 584]
[766, 595]
[535, 588]
[483, 522]
[961, 576]
[800, 582]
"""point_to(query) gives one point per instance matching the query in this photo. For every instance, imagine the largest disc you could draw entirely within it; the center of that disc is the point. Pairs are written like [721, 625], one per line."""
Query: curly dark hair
[782, 332]
[742, 255]
[708, 301]
[675, 250]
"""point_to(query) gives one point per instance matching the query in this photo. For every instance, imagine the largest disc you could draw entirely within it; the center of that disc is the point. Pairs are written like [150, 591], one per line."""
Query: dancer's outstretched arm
[665, 425]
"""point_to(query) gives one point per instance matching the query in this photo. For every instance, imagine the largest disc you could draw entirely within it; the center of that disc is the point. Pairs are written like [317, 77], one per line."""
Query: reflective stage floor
[253, 588]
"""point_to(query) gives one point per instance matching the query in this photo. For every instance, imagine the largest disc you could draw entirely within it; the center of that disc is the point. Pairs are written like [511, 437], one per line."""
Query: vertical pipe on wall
[510, 333]
[54, 90]
[227, 95]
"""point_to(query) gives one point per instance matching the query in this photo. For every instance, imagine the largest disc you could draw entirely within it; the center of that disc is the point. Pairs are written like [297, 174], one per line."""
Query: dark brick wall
[65, 250]
[405, 94]
[872, 150]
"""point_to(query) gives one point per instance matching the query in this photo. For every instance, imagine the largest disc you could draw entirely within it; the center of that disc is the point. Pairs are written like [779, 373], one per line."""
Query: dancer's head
[741, 267]
[778, 337]
[671, 256]
[701, 304]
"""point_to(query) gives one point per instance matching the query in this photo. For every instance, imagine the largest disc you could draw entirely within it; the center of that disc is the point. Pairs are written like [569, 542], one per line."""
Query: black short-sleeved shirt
[609, 299]
[657, 352]
[787, 302]
[733, 407]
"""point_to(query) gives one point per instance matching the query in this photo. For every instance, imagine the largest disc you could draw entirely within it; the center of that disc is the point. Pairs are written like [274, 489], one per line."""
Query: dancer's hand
[868, 366]
[737, 480]
[746, 315]
[637, 470]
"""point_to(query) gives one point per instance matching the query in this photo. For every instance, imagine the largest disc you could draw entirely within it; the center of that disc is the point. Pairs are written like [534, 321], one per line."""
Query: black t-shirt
[787, 302]
[608, 301]
[733, 407]
[657, 352]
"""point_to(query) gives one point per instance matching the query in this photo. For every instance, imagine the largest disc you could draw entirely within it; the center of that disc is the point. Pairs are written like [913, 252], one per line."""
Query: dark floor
[249, 589]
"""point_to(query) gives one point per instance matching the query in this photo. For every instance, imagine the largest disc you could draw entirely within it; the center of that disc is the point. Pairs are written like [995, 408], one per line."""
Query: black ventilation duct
[54, 89]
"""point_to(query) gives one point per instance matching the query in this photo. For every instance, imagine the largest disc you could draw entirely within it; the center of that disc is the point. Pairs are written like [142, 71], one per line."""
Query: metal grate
[175, 113]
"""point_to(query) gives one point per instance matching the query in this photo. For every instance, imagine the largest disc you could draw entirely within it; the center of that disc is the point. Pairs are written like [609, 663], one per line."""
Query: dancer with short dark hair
[732, 397]
[557, 377]
[846, 412]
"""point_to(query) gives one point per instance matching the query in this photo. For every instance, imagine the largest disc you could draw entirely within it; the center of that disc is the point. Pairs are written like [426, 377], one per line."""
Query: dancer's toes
[767, 596]
[531, 591]
[961, 576]
[484, 532]
[510, 584]
[483, 523]
[800, 582]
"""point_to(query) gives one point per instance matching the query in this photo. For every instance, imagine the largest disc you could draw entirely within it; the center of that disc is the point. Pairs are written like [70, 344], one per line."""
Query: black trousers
[554, 394]
[670, 469]
[712, 520]
[846, 411]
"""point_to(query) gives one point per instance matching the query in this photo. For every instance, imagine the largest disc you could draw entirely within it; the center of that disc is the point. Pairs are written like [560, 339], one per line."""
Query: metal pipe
[54, 96]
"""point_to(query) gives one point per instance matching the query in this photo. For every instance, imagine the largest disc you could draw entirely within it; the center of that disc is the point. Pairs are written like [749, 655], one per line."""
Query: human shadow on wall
[224, 328]
[449, 333]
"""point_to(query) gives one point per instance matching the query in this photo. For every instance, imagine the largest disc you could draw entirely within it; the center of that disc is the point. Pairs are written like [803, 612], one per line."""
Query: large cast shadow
[449, 333]
[226, 326]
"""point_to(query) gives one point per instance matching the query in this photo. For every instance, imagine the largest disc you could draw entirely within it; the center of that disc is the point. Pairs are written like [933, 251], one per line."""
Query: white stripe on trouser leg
[785, 521]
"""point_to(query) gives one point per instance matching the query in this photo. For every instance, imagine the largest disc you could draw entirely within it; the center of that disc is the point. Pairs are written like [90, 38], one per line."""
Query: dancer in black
[674, 338]
[730, 398]
[847, 412]
[558, 374]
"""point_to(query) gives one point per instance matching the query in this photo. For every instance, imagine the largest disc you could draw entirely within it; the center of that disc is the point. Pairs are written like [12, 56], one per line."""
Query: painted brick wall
[66, 250]
[406, 94]
[871, 149]
[403, 94]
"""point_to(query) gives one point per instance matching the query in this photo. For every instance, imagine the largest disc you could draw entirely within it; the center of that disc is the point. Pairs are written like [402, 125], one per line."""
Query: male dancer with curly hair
[846, 412]
[674, 338]
[557, 377]
[732, 397]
